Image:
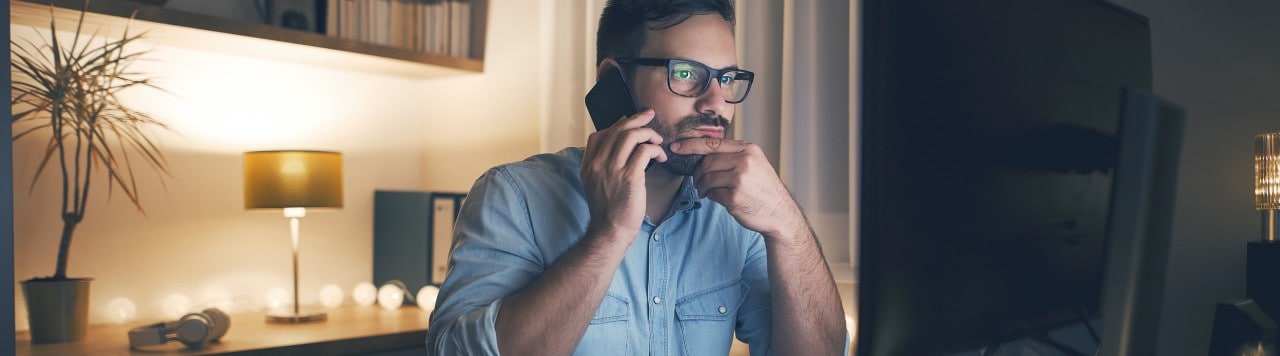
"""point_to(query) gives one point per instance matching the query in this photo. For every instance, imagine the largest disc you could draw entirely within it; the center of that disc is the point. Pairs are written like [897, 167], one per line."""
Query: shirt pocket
[706, 318]
[609, 330]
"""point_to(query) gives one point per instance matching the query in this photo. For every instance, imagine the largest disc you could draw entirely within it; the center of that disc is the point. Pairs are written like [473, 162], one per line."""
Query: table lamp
[1262, 281]
[293, 181]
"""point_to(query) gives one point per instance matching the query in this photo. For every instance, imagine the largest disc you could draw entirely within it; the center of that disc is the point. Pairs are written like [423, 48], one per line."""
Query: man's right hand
[612, 171]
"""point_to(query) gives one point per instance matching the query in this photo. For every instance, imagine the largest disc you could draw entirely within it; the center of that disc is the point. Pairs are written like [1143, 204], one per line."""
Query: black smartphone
[609, 100]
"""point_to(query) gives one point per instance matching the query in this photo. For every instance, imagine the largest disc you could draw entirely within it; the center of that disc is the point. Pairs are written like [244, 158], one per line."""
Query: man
[586, 251]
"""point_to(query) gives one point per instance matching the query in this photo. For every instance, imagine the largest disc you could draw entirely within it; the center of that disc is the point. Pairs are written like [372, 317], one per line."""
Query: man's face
[707, 39]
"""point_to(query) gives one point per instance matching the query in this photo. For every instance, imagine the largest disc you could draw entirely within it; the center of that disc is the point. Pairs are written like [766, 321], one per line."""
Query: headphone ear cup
[193, 330]
[221, 322]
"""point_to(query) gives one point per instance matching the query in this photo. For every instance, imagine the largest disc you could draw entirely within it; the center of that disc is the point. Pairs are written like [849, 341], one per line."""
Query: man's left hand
[737, 175]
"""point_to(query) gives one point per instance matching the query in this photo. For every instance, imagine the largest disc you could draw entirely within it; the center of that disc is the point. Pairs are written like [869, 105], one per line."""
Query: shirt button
[656, 237]
[657, 300]
[723, 309]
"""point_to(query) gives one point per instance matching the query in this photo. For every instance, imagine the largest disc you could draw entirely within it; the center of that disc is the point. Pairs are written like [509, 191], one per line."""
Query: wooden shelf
[348, 330]
[202, 32]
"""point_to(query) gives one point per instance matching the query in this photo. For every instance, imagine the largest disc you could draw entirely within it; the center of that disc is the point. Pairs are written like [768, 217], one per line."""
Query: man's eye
[683, 74]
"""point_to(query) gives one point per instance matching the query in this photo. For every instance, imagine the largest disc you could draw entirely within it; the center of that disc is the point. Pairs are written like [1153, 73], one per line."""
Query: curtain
[802, 108]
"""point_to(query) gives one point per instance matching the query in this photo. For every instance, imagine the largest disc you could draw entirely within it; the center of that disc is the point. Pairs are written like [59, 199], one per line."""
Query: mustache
[694, 121]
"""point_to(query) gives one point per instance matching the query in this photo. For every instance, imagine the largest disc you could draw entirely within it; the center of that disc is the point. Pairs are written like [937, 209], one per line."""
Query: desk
[348, 330]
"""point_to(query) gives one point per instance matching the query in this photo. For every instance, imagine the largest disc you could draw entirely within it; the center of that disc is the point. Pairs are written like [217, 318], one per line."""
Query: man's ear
[604, 65]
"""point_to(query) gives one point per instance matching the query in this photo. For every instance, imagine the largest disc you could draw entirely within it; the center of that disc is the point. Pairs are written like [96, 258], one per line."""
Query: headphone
[194, 330]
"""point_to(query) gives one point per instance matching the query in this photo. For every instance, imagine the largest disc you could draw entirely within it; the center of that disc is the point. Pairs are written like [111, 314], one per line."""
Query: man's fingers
[717, 180]
[716, 163]
[635, 120]
[630, 140]
[616, 141]
[640, 158]
[708, 145]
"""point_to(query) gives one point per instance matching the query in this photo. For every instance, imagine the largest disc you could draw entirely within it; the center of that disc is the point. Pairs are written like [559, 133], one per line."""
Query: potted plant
[67, 93]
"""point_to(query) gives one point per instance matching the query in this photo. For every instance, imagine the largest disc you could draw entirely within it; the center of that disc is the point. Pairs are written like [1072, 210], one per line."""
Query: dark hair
[624, 23]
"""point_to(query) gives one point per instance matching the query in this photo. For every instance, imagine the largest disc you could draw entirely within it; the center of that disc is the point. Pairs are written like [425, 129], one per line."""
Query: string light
[390, 296]
[364, 294]
[122, 310]
[278, 298]
[427, 297]
[331, 296]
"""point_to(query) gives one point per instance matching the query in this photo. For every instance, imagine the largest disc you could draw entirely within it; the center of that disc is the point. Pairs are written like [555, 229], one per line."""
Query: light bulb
[278, 298]
[390, 296]
[176, 305]
[331, 296]
[365, 294]
[427, 297]
[122, 310]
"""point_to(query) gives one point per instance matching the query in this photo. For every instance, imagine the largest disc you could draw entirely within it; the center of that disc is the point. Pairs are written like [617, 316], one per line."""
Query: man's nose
[714, 101]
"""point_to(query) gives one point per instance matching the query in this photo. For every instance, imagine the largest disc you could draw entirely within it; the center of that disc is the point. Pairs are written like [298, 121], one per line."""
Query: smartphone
[609, 100]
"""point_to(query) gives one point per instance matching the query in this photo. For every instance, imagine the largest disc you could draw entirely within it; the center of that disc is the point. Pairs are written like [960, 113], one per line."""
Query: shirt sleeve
[493, 256]
[755, 321]
[755, 318]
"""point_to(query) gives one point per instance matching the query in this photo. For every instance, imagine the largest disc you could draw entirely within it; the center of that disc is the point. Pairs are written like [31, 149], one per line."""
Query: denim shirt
[685, 287]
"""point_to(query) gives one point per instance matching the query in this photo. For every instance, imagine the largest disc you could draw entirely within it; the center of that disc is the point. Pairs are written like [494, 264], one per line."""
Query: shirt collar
[687, 196]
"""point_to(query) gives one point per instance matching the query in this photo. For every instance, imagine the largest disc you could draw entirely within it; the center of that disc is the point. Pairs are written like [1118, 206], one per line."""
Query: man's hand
[737, 174]
[806, 306]
[612, 172]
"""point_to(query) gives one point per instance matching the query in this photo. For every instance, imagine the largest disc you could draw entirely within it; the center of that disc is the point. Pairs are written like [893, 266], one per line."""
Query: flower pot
[57, 310]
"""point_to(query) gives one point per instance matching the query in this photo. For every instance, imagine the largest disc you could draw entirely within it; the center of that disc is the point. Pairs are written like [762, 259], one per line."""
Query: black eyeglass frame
[750, 76]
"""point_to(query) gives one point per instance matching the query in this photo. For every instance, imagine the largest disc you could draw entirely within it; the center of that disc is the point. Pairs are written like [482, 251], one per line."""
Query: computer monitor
[990, 139]
[1142, 203]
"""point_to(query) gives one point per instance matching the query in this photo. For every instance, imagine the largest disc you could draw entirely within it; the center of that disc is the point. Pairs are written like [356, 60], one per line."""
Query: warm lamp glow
[1266, 162]
[292, 179]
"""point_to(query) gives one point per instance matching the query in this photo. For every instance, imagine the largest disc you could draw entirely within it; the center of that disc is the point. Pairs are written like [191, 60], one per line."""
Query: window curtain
[802, 110]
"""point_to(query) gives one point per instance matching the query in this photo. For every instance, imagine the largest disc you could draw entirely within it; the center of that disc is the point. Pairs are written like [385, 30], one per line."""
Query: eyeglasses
[691, 79]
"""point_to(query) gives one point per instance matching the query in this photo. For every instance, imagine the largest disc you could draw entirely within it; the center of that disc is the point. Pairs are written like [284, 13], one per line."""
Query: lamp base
[1261, 275]
[302, 316]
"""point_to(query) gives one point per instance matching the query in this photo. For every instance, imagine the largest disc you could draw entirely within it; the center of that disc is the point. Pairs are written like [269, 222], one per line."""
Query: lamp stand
[1271, 225]
[297, 316]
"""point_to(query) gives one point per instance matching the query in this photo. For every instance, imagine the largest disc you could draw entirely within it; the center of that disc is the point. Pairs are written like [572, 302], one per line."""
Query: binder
[413, 235]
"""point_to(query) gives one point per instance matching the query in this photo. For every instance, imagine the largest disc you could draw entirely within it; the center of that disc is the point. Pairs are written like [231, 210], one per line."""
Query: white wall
[1220, 61]
[476, 122]
[197, 240]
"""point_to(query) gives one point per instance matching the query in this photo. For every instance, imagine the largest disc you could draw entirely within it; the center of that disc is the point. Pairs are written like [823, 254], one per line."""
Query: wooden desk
[348, 330]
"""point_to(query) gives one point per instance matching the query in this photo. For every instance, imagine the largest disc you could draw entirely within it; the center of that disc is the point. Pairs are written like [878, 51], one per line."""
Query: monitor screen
[989, 150]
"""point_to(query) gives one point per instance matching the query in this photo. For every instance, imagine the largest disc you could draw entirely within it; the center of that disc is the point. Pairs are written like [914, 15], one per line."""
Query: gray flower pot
[57, 310]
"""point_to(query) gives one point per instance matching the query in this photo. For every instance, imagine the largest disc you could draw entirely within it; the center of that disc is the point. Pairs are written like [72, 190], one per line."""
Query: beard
[679, 164]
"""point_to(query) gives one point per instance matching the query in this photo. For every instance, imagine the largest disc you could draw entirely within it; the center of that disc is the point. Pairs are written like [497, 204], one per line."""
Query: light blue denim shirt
[684, 287]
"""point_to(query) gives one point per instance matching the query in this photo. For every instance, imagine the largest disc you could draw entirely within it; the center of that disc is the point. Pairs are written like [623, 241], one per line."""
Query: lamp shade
[1266, 158]
[292, 179]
